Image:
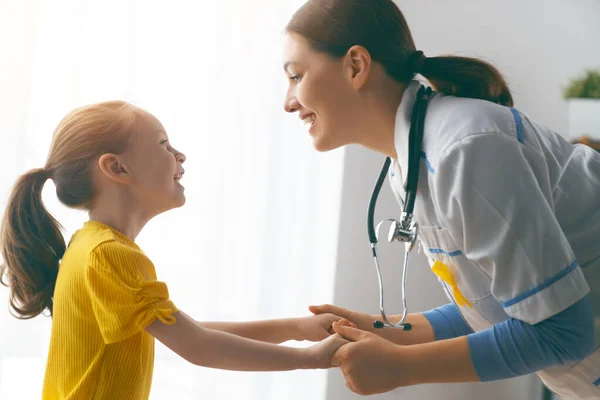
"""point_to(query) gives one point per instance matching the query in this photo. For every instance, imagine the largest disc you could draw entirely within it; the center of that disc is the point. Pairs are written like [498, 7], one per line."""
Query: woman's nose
[290, 104]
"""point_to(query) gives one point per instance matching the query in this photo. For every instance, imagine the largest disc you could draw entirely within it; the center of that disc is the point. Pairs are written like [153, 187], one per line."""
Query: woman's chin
[323, 145]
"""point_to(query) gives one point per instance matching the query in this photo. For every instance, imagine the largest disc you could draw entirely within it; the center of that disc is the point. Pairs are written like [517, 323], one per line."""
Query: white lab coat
[514, 211]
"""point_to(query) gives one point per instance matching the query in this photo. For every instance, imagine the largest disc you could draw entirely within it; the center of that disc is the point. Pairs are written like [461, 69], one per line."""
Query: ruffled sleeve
[125, 295]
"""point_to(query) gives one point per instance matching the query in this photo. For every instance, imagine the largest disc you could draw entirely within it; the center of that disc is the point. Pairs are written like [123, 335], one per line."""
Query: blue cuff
[514, 348]
[447, 322]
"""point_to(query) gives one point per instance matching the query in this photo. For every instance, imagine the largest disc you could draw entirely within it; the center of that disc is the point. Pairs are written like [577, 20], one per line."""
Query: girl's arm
[313, 329]
[271, 331]
[223, 350]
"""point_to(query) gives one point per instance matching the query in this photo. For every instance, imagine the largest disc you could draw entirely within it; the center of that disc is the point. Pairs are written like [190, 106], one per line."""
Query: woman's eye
[163, 141]
[295, 78]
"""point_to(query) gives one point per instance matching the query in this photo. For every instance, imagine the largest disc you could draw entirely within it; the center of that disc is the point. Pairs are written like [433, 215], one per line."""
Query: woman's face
[321, 92]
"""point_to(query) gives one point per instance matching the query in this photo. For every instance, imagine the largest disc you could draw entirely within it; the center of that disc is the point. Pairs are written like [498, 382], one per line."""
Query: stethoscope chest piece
[404, 232]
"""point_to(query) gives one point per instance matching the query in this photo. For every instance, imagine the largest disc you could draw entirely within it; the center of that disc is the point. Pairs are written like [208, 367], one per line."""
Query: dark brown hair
[31, 241]
[334, 26]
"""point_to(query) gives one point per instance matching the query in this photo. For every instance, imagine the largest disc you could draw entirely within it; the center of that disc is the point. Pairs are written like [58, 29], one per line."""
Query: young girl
[115, 161]
[508, 210]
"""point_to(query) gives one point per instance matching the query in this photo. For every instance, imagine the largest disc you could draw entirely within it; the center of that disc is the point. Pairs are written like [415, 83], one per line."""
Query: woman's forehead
[295, 48]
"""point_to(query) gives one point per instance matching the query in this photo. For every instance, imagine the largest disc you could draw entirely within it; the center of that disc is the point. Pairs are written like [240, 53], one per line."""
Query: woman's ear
[113, 168]
[358, 65]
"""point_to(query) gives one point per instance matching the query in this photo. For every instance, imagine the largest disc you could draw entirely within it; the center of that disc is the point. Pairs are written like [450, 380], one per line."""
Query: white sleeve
[494, 196]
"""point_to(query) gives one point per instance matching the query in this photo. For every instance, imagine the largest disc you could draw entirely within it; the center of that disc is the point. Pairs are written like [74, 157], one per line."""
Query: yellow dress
[106, 294]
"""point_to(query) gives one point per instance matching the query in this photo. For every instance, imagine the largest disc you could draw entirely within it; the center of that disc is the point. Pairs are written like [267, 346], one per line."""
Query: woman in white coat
[509, 212]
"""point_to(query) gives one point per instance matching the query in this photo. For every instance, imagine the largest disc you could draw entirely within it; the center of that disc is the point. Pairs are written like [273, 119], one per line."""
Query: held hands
[363, 321]
[370, 364]
[320, 355]
[316, 328]
[319, 326]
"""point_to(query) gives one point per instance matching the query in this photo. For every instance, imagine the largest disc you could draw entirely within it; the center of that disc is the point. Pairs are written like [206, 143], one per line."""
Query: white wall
[538, 45]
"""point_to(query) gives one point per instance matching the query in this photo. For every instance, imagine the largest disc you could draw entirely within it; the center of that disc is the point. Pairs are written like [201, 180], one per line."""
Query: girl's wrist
[295, 328]
[307, 358]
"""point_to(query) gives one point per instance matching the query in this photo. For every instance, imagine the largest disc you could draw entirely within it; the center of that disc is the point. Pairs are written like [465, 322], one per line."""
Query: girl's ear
[113, 167]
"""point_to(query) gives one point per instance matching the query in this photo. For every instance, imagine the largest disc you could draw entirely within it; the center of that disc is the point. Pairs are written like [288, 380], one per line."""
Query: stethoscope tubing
[408, 230]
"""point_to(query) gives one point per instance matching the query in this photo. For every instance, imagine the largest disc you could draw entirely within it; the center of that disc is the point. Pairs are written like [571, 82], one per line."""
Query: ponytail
[31, 242]
[466, 77]
[334, 26]
[32, 245]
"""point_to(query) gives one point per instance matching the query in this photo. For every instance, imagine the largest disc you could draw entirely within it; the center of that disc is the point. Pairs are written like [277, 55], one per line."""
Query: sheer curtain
[258, 234]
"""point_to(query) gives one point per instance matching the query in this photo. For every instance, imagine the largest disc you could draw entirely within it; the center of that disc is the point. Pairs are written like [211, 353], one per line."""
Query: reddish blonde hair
[31, 241]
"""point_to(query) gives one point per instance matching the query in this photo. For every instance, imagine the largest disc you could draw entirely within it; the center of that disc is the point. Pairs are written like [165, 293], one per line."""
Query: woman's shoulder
[470, 116]
[450, 120]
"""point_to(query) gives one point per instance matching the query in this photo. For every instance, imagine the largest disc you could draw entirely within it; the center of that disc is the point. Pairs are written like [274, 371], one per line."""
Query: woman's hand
[363, 321]
[321, 353]
[316, 328]
[370, 364]
[421, 331]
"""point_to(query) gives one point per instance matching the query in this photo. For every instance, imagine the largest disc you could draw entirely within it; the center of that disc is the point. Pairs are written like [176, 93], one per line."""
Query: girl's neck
[128, 223]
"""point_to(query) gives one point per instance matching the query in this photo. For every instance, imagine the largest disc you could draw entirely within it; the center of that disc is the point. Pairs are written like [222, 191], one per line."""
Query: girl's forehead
[147, 125]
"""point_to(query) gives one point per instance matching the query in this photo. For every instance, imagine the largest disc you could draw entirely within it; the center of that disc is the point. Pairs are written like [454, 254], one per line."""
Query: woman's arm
[421, 331]
[374, 365]
[422, 328]
[217, 349]
[514, 348]
[508, 349]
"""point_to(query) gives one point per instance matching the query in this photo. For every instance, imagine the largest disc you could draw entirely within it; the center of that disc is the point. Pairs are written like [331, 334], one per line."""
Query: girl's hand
[362, 320]
[319, 355]
[370, 363]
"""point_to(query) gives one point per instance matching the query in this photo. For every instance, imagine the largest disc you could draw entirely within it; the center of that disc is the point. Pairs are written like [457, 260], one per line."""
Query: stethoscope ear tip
[378, 325]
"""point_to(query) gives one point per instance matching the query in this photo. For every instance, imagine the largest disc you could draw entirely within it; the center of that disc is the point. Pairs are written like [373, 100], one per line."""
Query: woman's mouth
[309, 119]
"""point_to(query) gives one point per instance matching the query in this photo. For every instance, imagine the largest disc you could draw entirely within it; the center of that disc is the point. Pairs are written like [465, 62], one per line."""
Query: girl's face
[321, 91]
[154, 167]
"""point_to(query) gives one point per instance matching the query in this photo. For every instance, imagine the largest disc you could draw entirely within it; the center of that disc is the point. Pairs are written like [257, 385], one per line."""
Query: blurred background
[270, 225]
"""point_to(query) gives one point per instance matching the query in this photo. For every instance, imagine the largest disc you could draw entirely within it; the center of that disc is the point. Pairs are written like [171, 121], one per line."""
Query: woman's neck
[380, 122]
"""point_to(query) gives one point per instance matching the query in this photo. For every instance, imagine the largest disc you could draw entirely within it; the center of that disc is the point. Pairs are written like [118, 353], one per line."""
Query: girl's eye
[295, 78]
[163, 141]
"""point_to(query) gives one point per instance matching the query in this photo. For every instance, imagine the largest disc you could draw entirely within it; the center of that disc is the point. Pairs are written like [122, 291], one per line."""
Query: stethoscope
[407, 230]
